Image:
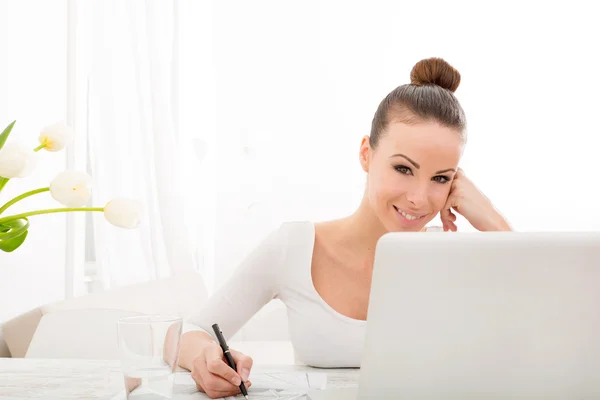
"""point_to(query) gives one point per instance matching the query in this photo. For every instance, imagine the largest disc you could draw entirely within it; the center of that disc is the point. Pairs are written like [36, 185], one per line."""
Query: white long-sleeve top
[280, 268]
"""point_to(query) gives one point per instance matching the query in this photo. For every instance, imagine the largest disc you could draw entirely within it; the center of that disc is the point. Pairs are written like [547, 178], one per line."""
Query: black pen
[228, 356]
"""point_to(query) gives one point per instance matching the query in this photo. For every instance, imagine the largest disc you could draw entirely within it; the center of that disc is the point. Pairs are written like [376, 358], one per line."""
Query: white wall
[32, 91]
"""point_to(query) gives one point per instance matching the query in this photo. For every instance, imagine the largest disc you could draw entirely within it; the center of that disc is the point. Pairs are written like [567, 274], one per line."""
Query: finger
[216, 365]
[212, 361]
[243, 363]
[445, 219]
[220, 369]
[216, 383]
[446, 216]
[211, 382]
[217, 394]
[132, 383]
[452, 226]
[199, 382]
[444, 224]
[445, 212]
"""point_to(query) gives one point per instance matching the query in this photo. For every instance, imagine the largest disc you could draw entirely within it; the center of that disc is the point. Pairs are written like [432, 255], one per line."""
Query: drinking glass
[149, 346]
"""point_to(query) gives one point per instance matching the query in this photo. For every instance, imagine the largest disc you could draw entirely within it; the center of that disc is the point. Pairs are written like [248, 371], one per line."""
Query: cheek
[386, 186]
[439, 196]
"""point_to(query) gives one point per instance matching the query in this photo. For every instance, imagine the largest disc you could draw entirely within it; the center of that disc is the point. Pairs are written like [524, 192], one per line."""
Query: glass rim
[148, 319]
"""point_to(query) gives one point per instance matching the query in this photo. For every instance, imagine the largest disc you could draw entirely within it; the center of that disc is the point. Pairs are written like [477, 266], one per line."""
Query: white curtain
[130, 55]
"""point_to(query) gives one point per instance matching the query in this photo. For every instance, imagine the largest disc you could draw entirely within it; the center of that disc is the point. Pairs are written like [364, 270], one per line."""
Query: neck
[362, 230]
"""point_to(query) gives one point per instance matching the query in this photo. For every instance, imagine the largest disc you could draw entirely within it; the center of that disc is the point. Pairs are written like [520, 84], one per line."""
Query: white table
[99, 379]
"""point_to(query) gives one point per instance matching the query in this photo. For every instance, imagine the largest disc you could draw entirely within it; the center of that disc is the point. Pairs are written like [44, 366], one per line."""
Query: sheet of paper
[280, 381]
[265, 386]
[317, 380]
[346, 379]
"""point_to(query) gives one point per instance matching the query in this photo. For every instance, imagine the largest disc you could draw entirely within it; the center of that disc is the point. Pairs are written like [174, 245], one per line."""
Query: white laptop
[494, 315]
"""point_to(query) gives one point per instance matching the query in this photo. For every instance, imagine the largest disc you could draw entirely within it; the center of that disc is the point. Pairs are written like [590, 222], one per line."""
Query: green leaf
[5, 133]
[13, 234]
[13, 243]
[13, 228]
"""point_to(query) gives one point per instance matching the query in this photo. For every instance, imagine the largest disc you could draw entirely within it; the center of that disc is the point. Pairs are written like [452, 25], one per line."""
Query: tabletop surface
[24, 378]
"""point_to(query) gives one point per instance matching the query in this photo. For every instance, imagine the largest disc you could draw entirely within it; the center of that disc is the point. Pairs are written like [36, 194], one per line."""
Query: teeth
[408, 216]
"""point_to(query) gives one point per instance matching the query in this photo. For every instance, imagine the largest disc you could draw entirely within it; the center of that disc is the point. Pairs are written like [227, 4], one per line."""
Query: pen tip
[246, 397]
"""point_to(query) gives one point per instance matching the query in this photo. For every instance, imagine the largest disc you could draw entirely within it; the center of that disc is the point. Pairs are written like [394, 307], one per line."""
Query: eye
[441, 179]
[403, 170]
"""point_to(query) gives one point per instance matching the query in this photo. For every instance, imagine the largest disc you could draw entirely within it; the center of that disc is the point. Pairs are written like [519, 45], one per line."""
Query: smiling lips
[407, 217]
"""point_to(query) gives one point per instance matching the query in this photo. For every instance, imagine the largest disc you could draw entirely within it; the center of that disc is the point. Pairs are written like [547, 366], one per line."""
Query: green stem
[41, 146]
[49, 211]
[21, 197]
[3, 182]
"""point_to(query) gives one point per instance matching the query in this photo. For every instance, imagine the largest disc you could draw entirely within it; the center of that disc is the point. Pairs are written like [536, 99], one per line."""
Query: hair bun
[435, 71]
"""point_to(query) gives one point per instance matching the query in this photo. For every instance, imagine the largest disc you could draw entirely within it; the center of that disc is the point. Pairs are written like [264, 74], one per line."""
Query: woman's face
[410, 173]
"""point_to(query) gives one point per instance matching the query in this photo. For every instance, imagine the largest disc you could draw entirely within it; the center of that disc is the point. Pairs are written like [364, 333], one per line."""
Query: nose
[417, 196]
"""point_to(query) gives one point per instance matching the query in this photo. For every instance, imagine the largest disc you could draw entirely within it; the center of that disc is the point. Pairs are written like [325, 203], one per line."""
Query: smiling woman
[322, 271]
[410, 173]
[412, 155]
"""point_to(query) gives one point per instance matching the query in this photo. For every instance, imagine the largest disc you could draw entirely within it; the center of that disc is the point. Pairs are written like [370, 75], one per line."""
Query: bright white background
[272, 99]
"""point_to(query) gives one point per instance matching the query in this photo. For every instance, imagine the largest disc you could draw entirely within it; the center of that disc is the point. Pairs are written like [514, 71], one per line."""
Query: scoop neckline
[320, 299]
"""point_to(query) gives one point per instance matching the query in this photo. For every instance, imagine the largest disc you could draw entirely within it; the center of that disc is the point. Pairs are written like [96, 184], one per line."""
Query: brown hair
[429, 97]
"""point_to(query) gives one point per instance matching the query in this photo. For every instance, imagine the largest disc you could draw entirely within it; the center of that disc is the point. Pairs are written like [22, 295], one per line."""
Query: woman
[322, 272]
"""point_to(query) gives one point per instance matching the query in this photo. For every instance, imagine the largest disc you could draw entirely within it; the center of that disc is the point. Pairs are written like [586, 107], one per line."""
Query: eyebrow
[417, 166]
[445, 170]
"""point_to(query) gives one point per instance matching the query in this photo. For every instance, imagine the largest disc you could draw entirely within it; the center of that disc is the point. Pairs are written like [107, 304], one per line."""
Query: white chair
[4, 351]
[85, 327]
[180, 295]
[78, 334]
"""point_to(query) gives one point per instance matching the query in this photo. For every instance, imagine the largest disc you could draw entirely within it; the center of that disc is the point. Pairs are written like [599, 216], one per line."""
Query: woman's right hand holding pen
[212, 374]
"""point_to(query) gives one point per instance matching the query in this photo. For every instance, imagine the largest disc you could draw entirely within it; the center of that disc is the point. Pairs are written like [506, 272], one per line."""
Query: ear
[365, 153]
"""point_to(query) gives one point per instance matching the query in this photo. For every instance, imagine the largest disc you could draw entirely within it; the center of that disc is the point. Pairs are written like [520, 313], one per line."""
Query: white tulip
[55, 137]
[124, 213]
[16, 161]
[71, 188]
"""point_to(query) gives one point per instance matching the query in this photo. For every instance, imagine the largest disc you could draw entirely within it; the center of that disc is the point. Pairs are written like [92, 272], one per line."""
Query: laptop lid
[484, 315]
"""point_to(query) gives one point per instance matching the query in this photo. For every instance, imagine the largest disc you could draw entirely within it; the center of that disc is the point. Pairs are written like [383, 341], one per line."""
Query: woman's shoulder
[284, 242]
[291, 243]
[297, 224]
[296, 232]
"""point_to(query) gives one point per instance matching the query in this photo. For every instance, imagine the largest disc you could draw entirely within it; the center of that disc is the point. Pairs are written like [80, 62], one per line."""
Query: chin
[411, 229]
[393, 225]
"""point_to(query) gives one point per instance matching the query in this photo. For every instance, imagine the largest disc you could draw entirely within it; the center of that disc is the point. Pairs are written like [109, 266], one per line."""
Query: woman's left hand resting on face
[468, 201]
